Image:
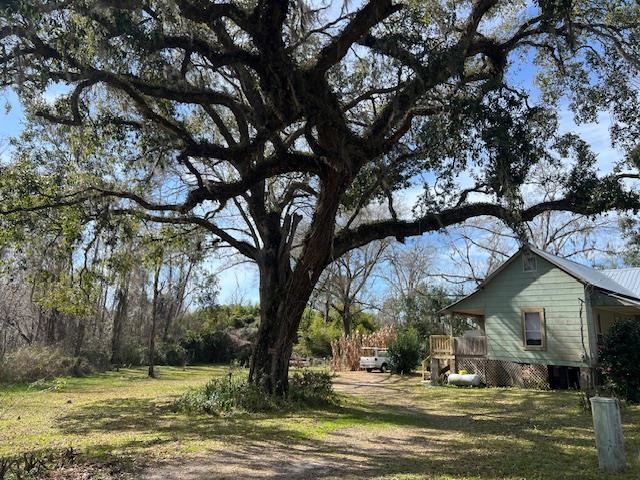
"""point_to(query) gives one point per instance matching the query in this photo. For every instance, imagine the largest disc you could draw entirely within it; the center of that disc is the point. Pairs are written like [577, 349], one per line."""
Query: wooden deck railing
[470, 346]
[440, 345]
[444, 346]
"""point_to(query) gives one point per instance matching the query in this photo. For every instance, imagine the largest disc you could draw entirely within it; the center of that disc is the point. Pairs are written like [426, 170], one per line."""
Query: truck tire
[368, 370]
[384, 368]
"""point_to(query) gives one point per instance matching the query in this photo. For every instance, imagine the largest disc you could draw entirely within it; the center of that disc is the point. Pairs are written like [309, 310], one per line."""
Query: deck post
[608, 430]
[435, 370]
[453, 367]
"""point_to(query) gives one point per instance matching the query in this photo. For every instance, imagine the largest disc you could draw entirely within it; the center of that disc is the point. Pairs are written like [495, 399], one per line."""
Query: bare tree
[408, 267]
[480, 246]
[344, 284]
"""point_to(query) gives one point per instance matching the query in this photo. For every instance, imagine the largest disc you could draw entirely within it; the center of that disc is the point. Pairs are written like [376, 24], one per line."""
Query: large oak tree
[262, 121]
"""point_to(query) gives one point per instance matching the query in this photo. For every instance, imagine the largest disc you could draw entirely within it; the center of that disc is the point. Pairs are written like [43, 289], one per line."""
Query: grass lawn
[386, 427]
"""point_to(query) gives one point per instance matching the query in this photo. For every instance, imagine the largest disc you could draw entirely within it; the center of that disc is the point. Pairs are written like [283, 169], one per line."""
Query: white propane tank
[466, 380]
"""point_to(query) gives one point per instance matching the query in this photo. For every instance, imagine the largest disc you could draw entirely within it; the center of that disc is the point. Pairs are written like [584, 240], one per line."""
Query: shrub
[316, 335]
[97, 355]
[133, 354]
[35, 362]
[620, 357]
[312, 388]
[405, 351]
[219, 346]
[173, 354]
[224, 396]
[221, 396]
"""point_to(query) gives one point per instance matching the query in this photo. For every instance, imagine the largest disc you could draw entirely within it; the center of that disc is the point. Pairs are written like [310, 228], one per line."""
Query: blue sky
[10, 122]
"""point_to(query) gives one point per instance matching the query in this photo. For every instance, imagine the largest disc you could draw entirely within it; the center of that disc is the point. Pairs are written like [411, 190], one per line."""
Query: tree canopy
[264, 121]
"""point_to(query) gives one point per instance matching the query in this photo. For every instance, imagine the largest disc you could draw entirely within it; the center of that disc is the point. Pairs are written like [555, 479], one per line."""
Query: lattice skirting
[501, 373]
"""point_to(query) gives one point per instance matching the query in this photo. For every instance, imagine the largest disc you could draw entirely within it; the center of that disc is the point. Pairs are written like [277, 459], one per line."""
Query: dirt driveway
[350, 452]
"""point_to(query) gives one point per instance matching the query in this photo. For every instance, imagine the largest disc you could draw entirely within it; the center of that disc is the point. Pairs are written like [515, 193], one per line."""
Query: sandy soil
[345, 453]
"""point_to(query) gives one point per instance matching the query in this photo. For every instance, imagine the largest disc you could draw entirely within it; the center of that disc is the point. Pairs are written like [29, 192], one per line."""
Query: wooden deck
[446, 347]
[450, 349]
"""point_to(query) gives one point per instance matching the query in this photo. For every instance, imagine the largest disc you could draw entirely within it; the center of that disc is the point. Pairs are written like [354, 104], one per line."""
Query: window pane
[534, 338]
[532, 329]
[532, 321]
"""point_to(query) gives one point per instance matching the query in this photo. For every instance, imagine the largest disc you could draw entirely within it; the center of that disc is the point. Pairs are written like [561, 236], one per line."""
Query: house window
[533, 328]
[529, 263]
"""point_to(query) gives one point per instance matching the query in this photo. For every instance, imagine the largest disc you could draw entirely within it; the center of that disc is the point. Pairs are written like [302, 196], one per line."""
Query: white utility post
[608, 429]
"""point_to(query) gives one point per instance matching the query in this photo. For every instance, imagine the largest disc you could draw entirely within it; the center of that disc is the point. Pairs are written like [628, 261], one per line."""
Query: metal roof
[589, 275]
[628, 278]
[623, 281]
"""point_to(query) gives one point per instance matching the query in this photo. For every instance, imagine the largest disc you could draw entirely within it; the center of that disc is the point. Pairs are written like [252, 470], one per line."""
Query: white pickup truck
[374, 359]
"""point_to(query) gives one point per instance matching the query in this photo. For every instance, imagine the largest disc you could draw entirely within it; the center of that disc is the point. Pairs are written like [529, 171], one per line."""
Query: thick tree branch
[203, 11]
[365, 19]
[350, 239]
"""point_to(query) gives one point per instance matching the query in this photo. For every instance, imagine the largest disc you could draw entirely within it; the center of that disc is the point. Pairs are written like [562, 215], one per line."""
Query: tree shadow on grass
[384, 456]
[484, 439]
[146, 416]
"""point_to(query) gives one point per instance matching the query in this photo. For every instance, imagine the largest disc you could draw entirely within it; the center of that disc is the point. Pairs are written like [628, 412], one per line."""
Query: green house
[542, 318]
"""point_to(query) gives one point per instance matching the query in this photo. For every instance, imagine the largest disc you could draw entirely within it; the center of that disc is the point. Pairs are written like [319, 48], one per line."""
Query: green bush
[220, 396]
[312, 388]
[224, 396]
[405, 351]
[620, 357]
[315, 335]
[173, 354]
[218, 346]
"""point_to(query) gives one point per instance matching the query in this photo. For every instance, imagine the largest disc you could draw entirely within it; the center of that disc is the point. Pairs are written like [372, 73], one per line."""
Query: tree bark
[3, 346]
[285, 292]
[280, 315]
[174, 309]
[154, 321]
[347, 319]
[119, 319]
[79, 338]
[51, 326]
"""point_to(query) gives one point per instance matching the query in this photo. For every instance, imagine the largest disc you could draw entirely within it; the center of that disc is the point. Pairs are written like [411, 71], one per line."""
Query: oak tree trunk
[281, 310]
[285, 291]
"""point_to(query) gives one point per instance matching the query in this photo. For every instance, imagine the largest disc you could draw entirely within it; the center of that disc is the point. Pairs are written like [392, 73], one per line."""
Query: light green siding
[511, 290]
